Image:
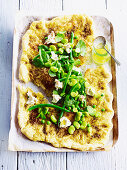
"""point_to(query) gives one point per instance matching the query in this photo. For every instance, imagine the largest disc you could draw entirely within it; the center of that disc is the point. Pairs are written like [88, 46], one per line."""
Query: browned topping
[37, 26]
[33, 43]
[89, 100]
[32, 117]
[25, 105]
[97, 128]
[101, 85]
[87, 30]
[42, 75]
[50, 30]
[68, 34]
[70, 116]
[96, 135]
[62, 132]
[104, 126]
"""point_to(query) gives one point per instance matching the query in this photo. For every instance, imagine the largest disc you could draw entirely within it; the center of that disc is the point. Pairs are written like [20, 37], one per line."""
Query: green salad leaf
[59, 36]
[38, 63]
[68, 103]
[82, 46]
[91, 110]
[52, 74]
[43, 55]
[55, 92]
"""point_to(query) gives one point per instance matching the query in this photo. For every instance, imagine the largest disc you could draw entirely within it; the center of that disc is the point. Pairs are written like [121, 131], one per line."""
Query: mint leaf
[82, 46]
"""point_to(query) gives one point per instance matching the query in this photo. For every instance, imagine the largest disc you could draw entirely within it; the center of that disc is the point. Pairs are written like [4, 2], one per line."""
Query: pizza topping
[81, 46]
[51, 38]
[71, 129]
[64, 122]
[58, 84]
[70, 85]
[89, 89]
[77, 50]
[77, 69]
[31, 99]
[54, 56]
[67, 47]
[56, 98]
[53, 119]
[82, 98]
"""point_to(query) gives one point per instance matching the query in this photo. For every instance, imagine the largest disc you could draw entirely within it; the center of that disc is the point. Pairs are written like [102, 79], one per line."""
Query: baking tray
[17, 141]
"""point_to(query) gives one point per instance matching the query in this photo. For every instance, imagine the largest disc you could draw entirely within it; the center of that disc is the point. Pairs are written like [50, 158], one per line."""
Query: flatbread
[81, 25]
[98, 78]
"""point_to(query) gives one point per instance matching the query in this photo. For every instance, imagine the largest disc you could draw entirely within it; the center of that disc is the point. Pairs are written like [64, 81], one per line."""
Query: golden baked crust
[81, 140]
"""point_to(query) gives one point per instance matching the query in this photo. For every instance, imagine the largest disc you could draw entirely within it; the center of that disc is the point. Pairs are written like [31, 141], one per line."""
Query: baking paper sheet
[17, 141]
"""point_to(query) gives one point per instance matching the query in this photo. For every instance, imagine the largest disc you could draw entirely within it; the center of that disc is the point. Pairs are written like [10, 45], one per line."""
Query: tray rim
[114, 90]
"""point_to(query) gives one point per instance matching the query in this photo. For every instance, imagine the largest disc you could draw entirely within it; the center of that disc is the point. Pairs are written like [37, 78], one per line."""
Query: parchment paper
[17, 141]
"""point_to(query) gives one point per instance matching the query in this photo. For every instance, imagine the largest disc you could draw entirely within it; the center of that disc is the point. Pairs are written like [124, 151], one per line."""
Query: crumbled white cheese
[56, 98]
[51, 38]
[77, 50]
[82, 98]
[54, 56]
[77, 69]
[31, 99]
[64, 122]
[67, 47]
[58, 84]
[90, 91]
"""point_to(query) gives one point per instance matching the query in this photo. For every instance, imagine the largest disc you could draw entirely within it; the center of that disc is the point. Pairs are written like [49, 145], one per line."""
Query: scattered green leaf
[82, 46]
[52, 74]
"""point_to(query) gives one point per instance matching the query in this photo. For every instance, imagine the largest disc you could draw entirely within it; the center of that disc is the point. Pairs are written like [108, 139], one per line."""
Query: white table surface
[116, 159]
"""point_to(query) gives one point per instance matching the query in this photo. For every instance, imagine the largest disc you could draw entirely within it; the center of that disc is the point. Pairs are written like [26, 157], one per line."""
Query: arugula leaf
[52, 74]
[82, 46]
[59, 37]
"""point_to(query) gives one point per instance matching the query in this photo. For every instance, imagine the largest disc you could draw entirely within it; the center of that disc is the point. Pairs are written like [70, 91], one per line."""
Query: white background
[116, 159]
